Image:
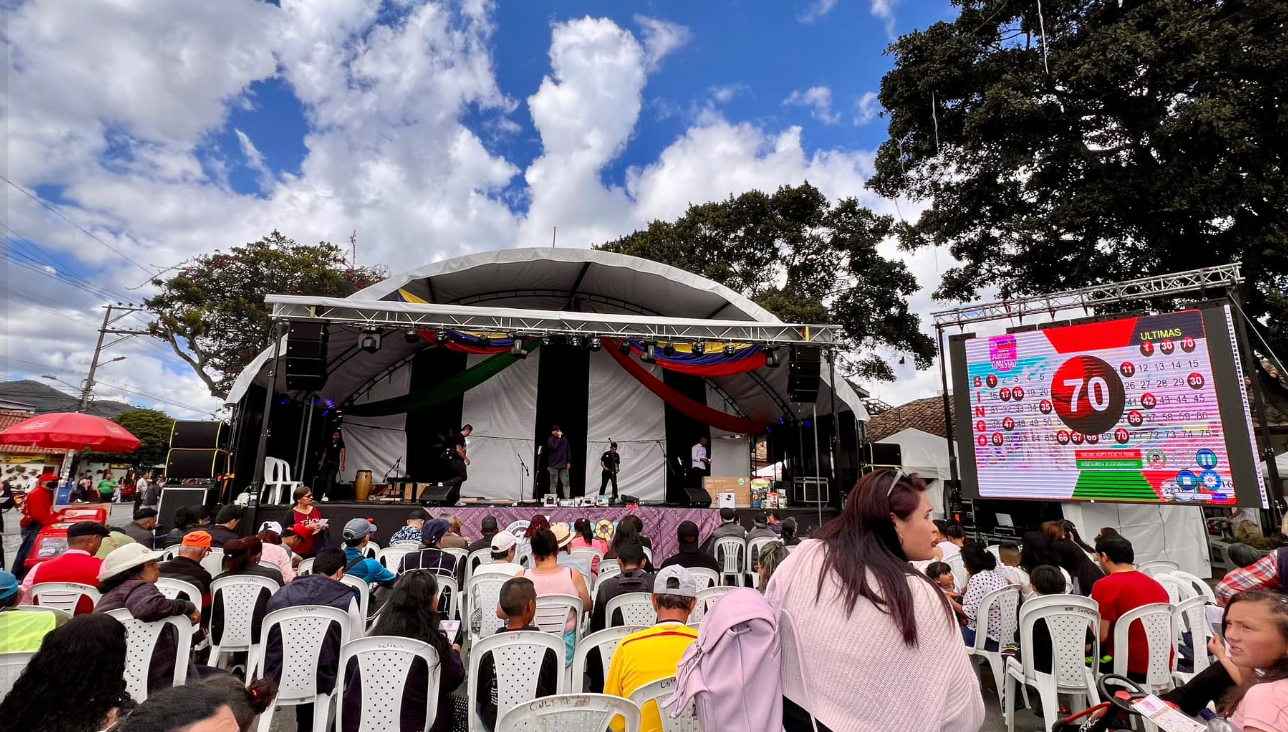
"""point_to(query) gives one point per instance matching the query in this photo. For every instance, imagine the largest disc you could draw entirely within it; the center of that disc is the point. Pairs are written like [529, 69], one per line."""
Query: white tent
[927, 456]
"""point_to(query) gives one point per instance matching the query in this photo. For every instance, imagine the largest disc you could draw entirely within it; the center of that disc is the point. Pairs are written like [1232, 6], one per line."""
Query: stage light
[595, 345]
[545, 340]
[782, 420]
[517, 349]
[441, 338]
[730, 349]
[808, 423]
[370, 339]
[650, 353]
[624, 347]
[574, 341]
[484, 341]
[669, 350]
[286, 400]
[771, 358]
[411, 336]
[699, 348]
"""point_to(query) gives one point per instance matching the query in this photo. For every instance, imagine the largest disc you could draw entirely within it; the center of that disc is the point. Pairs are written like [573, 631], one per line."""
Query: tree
[803, 260]
[212, 312]
[153, 430]
[1155, 143]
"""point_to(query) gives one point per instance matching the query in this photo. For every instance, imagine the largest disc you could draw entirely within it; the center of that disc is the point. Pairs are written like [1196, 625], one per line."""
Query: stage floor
[660, 522]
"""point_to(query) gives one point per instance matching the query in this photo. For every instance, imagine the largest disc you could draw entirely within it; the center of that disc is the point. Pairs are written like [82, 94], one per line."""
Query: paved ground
[285, 721]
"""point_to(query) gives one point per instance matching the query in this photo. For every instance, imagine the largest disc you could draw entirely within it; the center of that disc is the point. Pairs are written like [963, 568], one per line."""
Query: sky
[145, 132]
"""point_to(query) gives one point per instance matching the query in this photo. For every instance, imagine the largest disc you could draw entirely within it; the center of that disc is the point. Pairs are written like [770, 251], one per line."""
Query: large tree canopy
[1154, 143]
[153, 430]
[803, 260]
[212, 311]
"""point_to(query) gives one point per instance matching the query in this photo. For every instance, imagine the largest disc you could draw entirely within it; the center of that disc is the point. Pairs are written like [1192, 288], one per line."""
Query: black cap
[728, 514]
[555, 428]
[687, 533]
[82, 529]
[145, 513]
[231, 512]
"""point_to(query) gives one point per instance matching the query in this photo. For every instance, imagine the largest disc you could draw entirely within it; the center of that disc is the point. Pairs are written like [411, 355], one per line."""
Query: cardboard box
[739, 487]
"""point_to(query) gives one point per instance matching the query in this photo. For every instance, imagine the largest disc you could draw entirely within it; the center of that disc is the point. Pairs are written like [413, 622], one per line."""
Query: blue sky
[432, 129]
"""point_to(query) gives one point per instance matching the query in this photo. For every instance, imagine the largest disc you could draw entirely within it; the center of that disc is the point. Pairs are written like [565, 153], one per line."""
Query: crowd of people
[879, 628]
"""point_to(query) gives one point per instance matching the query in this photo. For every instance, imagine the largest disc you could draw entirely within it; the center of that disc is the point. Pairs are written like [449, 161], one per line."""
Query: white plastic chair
[60, 616]
[660, 690]
[731, 551]
[958, 565]
[1196, 584]
[460, 554]
[305, 567]
[236, 597]
[517, 657]
[1177, 589]
[278, 485]
[1191, 615]
[364, 599]
[371, 550]
[62, 595]
[523, 556]
[609, 567]
[570, 713]
[1007, 599]
[384, 666]
[648, 554]
[996, 551]
[707, 598]
[392, 557]
[636, 609]
[11, 666]
[452, 606]
[553, 611]
[213, 562]
[303, 631]
[484, 591]
[474, 559]
[705, 577]
[141, 639]
[594, 555]
[1160, 631]
[605, 641]
[754, 547]
[176, 588]
[1157, 566]
[1068, 618]
[169, 553]
[509, 569]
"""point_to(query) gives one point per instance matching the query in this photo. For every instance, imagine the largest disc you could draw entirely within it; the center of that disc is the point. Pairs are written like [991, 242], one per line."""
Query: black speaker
[803, 367]
[199, 435]
[883, 455]
[697, 498]
[189, 464]
[440, 495]
[306, 352]
[175, 496]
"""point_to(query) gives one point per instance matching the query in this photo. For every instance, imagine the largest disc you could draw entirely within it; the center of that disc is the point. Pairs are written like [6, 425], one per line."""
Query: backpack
[732, 670]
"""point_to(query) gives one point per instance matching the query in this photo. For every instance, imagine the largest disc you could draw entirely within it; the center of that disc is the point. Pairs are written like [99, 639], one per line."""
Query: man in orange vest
[78, 564]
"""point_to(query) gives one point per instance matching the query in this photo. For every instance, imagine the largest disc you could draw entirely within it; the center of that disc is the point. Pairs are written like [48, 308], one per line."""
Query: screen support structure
[1225, 278]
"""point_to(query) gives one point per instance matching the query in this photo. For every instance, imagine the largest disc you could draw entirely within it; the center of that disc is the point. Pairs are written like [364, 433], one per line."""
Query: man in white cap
[654, 653]
[357, 534]
[504, 546]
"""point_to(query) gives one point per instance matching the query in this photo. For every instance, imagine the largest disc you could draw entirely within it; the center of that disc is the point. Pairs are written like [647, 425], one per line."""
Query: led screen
[1141, 409]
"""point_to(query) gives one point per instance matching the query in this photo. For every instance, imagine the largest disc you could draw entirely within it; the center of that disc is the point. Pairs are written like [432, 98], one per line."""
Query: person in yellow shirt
[654, 653]
[20, 632]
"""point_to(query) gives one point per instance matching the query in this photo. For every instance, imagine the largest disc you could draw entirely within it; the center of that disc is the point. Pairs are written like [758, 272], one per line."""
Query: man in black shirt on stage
[331, 466]
[610, 464]
[457, 461]
[558, 462]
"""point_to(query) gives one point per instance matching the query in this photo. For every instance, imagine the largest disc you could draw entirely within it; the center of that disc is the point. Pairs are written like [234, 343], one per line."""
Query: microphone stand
[393, 468]
[522, 482]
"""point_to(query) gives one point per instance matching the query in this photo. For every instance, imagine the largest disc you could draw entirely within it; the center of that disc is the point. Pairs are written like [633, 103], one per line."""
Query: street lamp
[88, 386]
[51, 377]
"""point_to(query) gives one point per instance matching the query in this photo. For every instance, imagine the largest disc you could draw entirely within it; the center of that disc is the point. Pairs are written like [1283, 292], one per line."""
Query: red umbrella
[71, 431]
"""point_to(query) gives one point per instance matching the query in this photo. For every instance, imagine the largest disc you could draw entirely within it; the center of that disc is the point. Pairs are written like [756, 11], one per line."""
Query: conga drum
[362, 486]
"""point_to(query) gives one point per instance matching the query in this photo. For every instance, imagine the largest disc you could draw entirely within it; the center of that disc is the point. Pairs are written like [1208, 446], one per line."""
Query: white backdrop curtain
[622, 410]
[1178, 533]
[376, 443]
[502, 411]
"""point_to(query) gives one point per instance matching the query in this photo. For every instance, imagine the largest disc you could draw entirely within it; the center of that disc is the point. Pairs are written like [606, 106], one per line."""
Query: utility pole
[108, 321]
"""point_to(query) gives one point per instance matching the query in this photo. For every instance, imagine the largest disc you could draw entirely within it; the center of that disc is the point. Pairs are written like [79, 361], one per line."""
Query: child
[1045, 580]
[517, 606]
[1011, 569]
[942, 574]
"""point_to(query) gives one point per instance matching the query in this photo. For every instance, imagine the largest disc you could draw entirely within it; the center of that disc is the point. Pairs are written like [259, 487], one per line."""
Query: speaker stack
[306, 351]
[803, 370]
[198, 451]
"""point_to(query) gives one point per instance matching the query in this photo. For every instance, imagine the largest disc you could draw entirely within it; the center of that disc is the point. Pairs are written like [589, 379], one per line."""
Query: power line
[85, 231]
[60, 265]
[143, 394]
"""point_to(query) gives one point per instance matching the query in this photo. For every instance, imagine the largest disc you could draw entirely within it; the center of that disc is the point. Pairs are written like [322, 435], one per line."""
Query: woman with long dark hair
[306, 519]
[883, 647]
[412, 612]
[584, 536]
[630, 530]
[552, 579]
[1037, 550]
[84, 659]
[981, 568]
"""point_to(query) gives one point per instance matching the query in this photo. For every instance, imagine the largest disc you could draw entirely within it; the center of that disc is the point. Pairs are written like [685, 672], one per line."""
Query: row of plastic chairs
[740, 557]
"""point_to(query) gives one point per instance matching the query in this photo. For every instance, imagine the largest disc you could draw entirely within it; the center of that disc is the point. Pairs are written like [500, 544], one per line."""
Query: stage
[660, 522]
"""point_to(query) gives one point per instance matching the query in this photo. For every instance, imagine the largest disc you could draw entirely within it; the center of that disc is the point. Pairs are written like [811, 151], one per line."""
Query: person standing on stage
[610, 464]
[700, 464]
[459, 459]
[332, 464]
[558, 461]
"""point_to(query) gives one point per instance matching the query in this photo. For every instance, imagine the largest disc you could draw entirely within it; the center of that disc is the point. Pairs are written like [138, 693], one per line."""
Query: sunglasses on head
[898, 476]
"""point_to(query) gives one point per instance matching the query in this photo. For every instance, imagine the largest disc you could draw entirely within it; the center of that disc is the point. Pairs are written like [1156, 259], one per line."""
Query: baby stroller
[1113, 714]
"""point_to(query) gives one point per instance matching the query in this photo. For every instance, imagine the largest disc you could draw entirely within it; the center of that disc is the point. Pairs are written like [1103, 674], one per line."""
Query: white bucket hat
[126, 558]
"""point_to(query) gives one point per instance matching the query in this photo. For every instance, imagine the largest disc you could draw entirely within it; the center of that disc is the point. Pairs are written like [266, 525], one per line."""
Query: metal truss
[527, 323]
[1086, 298]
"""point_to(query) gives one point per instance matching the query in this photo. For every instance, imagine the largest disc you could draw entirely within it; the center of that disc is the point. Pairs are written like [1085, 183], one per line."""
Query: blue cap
[8, 584]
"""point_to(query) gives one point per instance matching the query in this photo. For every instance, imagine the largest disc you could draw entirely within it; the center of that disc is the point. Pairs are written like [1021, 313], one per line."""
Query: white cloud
[884, 9]
[816, 10]
[254, 158]
[724, 93]
[661, 37]
[866, 108]
[818, 99]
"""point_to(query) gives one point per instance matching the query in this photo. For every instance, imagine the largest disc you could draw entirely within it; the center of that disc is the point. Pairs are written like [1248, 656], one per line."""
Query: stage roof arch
[561, 279]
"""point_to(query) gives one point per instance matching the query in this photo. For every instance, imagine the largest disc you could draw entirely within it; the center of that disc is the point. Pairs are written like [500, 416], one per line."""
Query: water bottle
[1215, 723]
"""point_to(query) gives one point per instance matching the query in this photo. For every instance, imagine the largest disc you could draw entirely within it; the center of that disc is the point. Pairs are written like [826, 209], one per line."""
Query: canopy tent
[627, 403]
[927, 456]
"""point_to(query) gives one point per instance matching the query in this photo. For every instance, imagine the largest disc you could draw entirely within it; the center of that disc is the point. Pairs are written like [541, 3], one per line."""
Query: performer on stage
[459, 461]
[610, 464]
[700, 464]
[558, 461]
[332, 463]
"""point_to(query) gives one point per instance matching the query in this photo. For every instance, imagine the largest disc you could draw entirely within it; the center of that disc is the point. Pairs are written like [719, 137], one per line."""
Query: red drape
[693, 409]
